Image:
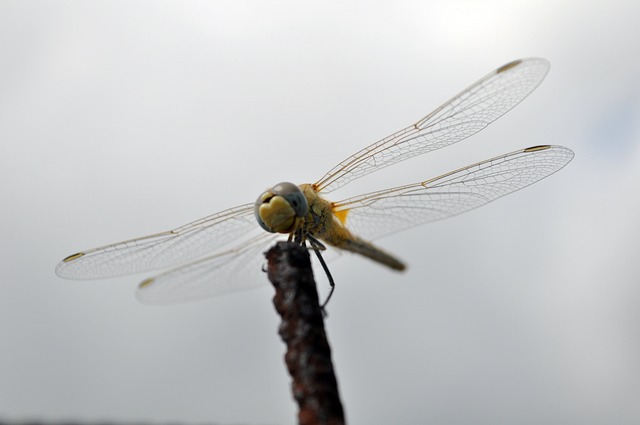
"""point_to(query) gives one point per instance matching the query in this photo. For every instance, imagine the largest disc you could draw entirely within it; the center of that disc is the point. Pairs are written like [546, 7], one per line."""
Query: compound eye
[265, 198]
[278, 208]
[294, 197]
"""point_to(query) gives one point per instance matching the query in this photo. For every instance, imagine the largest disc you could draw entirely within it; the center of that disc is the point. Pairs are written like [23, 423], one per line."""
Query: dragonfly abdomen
[371, 251]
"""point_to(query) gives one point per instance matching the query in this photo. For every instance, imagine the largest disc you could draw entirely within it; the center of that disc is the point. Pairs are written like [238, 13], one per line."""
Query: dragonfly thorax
[319, 215]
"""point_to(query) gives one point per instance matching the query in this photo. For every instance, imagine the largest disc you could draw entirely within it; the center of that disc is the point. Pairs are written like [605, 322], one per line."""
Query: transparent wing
[233, 270]
[165, 249]
[385, 212]
[462, 116]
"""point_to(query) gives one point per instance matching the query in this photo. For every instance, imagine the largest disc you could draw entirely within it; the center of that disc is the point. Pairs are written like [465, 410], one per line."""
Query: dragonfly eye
[277, 208]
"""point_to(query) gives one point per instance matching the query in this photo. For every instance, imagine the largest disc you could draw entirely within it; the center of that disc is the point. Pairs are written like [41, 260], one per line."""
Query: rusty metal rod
[308, 356]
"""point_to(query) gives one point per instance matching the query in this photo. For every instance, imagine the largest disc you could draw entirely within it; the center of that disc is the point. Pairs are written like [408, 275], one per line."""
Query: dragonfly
[222, 253]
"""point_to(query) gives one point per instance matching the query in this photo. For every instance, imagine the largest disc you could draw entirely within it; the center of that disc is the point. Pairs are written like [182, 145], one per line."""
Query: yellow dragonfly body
[300, 210]
[222, 253]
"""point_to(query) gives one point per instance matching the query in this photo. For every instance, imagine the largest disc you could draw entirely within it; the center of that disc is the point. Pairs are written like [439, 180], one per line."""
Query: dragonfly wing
[464, 115]
[163, 249]
[233, 270]
[385, 212]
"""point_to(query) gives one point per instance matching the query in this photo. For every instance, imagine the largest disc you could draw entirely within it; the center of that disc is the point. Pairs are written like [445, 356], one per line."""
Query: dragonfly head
[280, 208]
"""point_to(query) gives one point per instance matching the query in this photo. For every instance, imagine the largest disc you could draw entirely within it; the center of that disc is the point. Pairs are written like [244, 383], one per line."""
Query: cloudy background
[119, 119]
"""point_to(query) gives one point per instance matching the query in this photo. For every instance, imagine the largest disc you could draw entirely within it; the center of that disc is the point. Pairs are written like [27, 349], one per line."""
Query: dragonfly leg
[317, 247]
[297, 235]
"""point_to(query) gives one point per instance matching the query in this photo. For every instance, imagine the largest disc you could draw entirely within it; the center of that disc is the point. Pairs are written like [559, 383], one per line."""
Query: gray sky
[119, 119]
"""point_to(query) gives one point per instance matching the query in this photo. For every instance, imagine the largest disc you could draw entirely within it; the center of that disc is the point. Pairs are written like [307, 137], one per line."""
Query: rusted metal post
[308, 355]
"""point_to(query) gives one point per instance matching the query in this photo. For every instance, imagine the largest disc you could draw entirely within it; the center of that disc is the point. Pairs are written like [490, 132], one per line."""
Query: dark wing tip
[537, 148]
[73, 257]
[508, 66]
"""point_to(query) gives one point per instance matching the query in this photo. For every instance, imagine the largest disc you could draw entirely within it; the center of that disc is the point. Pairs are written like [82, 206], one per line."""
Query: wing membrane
[385, 212]
[236, 269]
[161, 250]
[462, 116]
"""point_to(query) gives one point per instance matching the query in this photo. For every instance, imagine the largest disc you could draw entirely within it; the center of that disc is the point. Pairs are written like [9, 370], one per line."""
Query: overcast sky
[120, 119]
